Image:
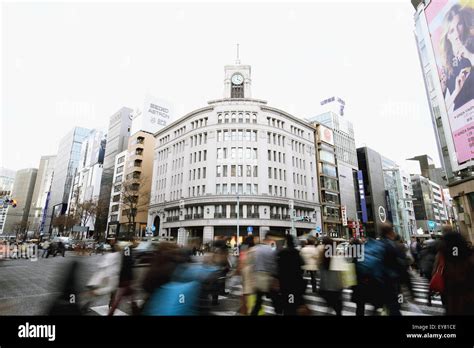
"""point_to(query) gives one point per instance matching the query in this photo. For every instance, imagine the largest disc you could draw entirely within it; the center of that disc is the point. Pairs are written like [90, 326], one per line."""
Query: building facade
[67, 161]
[370, 165]
[333, 216]
[40, 197]
[399, 195]
[236, 162]
[17, 218]
[130, 196]
[440, 27]
[7, 177]
[346, 154]
[85, 189]
[117, 140]
[430, 207]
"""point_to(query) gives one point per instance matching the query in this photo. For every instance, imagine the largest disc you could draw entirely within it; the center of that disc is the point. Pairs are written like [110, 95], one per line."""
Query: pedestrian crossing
[318, 306]
[411, 306]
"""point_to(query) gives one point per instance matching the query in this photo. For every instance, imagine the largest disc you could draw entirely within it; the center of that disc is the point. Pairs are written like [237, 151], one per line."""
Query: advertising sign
[451, 25]
[344, 215]
[363, 206]
[156, 114]
[326, 135]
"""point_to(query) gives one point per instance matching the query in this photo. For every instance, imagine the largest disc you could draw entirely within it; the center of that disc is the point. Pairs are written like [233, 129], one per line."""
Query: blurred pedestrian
[290, 276]
[66, 303]
[265, 268]
[427, 260]
[331, 280]
[310, 257]
[455, 260]
[246, 271]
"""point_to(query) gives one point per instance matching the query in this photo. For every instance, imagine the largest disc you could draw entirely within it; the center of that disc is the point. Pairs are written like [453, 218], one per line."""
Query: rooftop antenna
[237, 61]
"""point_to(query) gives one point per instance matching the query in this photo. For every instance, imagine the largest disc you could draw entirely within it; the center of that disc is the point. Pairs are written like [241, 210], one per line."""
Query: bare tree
[64, 222]
[134, 199]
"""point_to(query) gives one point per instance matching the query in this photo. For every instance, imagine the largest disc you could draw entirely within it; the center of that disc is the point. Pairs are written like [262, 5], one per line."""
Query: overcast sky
[66, 64]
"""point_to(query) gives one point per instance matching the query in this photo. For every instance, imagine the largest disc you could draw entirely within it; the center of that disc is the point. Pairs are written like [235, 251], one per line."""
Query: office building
[16, 221]
[7, 177]
[117, 139]
[443, 32]
[39, 201]
[67, 161]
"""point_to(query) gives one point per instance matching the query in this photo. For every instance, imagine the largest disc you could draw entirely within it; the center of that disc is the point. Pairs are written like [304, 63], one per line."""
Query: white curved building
[235, 152]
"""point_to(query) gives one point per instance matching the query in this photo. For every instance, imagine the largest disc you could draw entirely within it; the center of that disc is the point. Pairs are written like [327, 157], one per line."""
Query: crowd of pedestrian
[380, 274]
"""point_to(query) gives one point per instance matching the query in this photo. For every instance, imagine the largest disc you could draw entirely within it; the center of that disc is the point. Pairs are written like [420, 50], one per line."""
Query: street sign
[318, 229]
[153, 228]
[249, 229]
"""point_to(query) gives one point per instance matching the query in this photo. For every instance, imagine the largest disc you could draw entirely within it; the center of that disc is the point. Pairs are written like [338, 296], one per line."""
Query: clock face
[237, 79]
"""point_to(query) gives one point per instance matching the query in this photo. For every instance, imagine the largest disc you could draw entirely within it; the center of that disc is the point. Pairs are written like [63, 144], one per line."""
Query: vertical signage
[344, 215]
[363, 206]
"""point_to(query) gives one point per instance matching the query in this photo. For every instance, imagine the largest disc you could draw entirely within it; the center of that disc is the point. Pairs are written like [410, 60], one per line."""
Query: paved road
[28, 287]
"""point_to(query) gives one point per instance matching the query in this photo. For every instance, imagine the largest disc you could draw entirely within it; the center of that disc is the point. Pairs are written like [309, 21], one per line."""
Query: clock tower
[237, 81]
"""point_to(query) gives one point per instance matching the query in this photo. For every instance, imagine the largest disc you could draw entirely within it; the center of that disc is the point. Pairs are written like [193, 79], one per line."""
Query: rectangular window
[233, 153]
[241, 135]
[224, 189]
[204, 172]
[255, 189]
[234, 135]
[255, 171]
[218, 171]
[224, 171]
[254, 154]
[226, 136]
[232, 189]
[248, 153]
[241, 153]
[254, 135]
[240, 171]
[269, 172]
[218, 189]
[225, 153]
[269, 155]
[249, 171]
[248, 189]
[233, 170]
[240, 189]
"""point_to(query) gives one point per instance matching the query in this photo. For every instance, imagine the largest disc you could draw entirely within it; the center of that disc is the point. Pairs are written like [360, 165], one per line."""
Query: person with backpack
[369, 273]
[393, 268]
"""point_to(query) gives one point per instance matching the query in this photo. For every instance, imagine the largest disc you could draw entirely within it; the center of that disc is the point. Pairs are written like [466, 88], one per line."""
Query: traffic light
[13, 203]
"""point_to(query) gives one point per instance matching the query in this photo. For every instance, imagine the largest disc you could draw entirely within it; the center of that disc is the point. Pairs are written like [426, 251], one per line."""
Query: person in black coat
[290, 276]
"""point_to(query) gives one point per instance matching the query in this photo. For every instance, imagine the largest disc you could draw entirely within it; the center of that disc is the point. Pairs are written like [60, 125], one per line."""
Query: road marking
[104, 310]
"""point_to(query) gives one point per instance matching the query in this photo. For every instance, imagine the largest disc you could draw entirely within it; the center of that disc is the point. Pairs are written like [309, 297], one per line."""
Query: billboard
[326, 135]
[451, 25]
[156, 114]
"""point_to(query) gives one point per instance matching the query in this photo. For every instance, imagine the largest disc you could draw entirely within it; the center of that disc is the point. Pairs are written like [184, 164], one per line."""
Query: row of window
[177, 179]
[275, 122]
[162, 169]
[177, 163]
[273, 190]
[297, 131]
[277, 139]
[164, 140]
[298, 163]
[175, 195]
[237, 153]
[237, 135]
[195, 174]
[277, 156]
[297, 146]
[236, 117]
[163, 154]
[275, 173]
[241, 189]
[299, 179]
[202, 122]
[180, 131]
[198, 156]
[237, 171]
[196, 191]
[178, 147]
[198, 139]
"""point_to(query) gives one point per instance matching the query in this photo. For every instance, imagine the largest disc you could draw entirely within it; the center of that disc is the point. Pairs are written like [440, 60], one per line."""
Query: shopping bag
[437, 281]
[330, 280]
[349, 277]
[251, 299]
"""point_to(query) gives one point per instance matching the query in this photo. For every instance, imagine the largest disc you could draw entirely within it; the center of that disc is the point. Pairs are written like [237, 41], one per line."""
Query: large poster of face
[451, 25]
